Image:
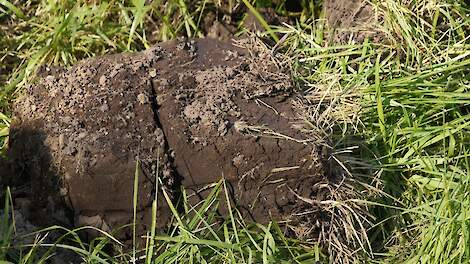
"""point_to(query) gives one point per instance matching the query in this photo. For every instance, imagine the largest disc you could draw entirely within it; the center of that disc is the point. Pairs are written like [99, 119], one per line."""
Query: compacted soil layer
[188, 112]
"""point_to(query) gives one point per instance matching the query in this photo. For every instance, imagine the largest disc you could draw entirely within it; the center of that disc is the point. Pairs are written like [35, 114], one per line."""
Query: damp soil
[230, 114]
[190, 111]
[78, 133]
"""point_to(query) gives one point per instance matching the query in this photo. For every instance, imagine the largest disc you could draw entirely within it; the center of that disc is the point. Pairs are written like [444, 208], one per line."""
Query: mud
[194, 111]
[78, 133]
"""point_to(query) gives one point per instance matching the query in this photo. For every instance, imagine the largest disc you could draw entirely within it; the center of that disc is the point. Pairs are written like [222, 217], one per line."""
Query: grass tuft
[401, 107]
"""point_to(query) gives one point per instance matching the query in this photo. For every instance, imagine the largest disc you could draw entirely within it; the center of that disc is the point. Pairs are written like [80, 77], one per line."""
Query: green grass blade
[261, 20]
[12, 8]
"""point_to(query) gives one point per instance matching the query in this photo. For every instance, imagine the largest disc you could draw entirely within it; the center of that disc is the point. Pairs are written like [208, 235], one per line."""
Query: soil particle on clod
[194, 110]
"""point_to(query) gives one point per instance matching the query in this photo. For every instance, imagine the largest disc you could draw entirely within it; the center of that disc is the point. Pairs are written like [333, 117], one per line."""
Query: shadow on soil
[35, 187]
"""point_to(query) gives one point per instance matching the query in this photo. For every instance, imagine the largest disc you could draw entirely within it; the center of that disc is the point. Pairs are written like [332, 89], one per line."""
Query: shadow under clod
[5, 174]
[32, 187]
[34, 183]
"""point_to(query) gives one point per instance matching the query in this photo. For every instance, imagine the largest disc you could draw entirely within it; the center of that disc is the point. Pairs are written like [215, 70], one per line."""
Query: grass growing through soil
[198, 235]
[395, 116]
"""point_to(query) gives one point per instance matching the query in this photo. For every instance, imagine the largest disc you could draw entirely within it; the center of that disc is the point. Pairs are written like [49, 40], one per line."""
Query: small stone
[153, 73]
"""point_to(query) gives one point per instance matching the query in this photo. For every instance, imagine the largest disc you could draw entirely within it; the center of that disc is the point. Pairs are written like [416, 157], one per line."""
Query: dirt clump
[92, 123]
[230, 114]
[230, 18]
[253, 24]
[220, 31]
[352, 20]
[194, 110]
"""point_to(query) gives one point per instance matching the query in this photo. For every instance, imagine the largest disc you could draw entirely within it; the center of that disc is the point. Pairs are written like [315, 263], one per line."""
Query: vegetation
[395, 115]
[404, 104]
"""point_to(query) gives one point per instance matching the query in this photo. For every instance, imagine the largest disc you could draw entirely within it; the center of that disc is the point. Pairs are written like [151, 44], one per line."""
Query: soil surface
[80, 131]
[194, 111]
[229, 114]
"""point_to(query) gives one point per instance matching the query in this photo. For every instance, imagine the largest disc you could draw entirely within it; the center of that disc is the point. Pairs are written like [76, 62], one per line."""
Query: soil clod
[194, 110]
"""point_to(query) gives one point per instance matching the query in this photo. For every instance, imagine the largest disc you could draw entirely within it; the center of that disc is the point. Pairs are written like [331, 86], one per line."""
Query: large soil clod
[195, 111]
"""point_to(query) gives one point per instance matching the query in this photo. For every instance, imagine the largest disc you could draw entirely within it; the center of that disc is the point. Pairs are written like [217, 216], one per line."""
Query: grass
[394, 116]
[197, 235]
[405, 106]
[62, 32]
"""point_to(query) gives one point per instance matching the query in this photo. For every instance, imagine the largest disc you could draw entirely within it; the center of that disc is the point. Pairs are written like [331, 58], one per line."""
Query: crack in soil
[181, 118]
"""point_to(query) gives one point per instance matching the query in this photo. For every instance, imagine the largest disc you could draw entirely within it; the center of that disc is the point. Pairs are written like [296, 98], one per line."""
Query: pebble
[153, 73]
[142, 98]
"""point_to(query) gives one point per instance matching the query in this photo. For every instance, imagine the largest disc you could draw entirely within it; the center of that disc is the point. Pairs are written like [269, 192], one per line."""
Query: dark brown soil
[227, 20]
[226, 116]
[89, 125]
[196, 110]
[251, 23]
